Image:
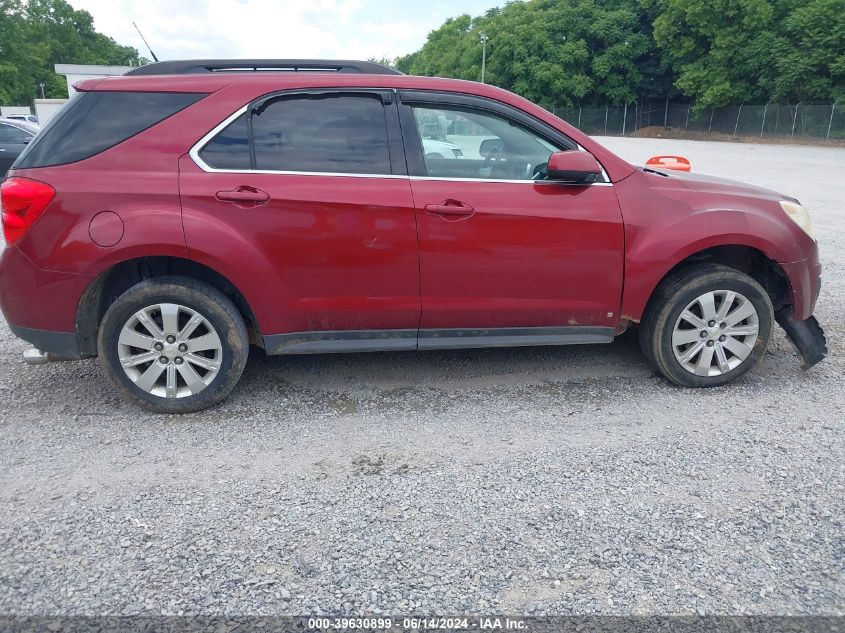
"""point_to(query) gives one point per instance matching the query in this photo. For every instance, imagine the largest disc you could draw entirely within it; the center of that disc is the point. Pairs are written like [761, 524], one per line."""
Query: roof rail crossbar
[200, 66]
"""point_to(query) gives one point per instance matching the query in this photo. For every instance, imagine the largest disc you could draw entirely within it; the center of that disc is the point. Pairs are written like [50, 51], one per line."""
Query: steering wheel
[490, 162]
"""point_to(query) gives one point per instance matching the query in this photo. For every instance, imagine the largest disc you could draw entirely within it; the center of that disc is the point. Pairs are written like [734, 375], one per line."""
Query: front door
[319, 209]
[501, 251]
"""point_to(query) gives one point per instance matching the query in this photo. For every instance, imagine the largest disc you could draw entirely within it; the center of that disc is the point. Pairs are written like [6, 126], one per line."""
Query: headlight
[799, 215]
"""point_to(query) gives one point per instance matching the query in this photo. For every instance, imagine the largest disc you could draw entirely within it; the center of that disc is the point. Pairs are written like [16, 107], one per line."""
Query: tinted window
[99, 120]
[11, 134]
[229, 149]
[467, 143]
[339, 134]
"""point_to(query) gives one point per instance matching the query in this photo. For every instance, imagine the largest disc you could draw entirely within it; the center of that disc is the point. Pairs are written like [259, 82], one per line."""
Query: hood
[714, 184]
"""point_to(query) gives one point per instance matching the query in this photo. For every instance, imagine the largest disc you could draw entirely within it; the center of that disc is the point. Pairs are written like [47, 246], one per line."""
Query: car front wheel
[173, 345]
[707, 326]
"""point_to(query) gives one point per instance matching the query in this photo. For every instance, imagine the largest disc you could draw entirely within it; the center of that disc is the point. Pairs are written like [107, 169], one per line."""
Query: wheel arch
[115, 280]
[742, 257]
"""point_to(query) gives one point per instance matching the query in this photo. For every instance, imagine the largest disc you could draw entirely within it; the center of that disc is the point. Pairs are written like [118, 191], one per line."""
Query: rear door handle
[450, 207]
[244, 196]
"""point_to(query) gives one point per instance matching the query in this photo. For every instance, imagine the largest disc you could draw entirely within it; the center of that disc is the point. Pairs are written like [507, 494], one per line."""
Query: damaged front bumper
[806, 336]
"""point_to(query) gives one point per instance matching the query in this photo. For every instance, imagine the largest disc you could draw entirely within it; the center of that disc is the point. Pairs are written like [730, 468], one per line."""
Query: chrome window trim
[194, 153]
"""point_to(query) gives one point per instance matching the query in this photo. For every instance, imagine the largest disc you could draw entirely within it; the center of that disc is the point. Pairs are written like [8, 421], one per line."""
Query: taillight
[22, 201]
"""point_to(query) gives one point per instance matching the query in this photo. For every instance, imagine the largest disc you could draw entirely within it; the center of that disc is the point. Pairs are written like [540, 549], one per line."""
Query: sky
[340, 29]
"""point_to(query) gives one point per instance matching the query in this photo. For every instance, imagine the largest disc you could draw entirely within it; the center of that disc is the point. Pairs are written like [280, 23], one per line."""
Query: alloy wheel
[715, 333]
[170, 350]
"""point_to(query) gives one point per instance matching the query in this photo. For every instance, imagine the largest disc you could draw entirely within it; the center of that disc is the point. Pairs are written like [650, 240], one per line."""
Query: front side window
[467, 143]
[322, 133]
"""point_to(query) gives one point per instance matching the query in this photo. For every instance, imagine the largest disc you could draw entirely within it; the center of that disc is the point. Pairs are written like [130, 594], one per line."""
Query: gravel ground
[556, 481]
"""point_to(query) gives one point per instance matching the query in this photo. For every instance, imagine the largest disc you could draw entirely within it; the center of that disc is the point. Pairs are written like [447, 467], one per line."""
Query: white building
[79, 72]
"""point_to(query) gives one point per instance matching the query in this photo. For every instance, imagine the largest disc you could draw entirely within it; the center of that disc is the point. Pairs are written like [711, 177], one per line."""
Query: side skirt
[344, 341]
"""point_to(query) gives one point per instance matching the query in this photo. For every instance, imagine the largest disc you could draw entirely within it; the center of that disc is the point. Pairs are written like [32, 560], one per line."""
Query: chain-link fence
[825, 121]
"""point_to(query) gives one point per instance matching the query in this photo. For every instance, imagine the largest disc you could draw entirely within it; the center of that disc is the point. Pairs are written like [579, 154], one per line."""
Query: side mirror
[573, 167]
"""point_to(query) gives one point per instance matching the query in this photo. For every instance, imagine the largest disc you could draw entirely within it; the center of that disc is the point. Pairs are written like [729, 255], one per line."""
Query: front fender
[667, 223]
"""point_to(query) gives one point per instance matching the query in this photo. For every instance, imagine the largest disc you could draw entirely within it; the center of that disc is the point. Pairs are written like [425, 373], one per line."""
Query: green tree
[811, 56]
[556, 52]
[37, 34]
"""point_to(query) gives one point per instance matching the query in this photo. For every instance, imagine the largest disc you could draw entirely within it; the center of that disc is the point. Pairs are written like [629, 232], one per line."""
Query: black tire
[198, 296]
[674, 295]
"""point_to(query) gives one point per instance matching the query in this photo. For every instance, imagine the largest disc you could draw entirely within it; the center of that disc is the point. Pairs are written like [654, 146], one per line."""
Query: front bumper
[807, 336]
[805, 279]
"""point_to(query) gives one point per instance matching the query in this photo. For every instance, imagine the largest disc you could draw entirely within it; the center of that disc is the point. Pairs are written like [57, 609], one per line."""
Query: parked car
[433, 148]
[168, 219]
[15, 135]
[26, 118]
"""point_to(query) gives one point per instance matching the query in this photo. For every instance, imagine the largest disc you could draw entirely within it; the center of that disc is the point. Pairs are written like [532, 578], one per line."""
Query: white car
[441, 149]
[27, 118]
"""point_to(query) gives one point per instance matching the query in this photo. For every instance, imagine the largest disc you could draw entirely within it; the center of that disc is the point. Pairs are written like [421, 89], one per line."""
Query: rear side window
[97, 121]
[335, 133]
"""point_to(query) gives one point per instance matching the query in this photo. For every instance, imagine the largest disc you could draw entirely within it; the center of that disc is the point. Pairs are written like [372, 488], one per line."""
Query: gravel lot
[555, 481]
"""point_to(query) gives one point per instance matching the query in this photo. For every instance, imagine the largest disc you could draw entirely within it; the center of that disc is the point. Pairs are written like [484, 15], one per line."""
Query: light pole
[41, 85]
[484, 40]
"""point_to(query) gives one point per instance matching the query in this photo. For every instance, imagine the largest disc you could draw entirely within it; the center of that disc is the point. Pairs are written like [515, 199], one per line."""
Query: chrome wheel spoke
[742, 330]
[702, 367]
[691, 352]
[203, 343]
[146, 320]
[150, 376]
[201, 361]
[745, 310]
[191, 377]
[683, 337]
[170, 383]
[708, 306]
[727, 302]
[169, 318]
[737, 348]
[722, 359]
[138, 359]
[133, 338]
[190, 326]
[693, 320]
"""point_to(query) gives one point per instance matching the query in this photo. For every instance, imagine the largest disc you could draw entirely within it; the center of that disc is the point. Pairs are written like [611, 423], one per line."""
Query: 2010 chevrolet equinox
[167, 219]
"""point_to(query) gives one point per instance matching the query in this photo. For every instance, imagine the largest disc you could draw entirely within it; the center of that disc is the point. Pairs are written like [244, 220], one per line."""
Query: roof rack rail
[200, 66]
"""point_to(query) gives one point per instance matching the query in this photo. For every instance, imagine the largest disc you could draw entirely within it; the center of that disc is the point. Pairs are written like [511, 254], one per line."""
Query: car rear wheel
[707, 326]
[173, 345]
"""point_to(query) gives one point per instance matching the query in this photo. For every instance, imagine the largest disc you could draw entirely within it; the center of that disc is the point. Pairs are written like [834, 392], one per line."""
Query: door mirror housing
[574, 167]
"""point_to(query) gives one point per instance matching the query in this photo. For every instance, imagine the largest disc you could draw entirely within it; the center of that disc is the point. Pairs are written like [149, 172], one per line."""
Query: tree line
[36, 34]
[616, 52]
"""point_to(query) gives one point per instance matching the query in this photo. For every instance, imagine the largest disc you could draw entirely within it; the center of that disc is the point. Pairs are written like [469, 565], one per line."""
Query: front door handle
[450, 207]
[244, 196]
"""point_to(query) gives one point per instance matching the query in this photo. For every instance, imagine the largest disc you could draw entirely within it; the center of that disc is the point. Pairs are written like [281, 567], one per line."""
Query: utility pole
[484, 40]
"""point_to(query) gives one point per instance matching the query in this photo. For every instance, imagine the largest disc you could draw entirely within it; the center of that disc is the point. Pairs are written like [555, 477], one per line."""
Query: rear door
[500, 248]
[320, 215]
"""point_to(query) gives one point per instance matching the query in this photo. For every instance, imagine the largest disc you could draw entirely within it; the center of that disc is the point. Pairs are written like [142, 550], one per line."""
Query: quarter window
[467, 143]
[96, 121]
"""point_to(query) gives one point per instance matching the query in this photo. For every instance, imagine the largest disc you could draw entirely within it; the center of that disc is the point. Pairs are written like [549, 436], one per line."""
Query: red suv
[168, 219]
